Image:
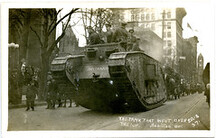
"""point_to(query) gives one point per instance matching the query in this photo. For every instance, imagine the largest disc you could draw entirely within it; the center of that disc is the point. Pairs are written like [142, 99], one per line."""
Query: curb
[24, 105]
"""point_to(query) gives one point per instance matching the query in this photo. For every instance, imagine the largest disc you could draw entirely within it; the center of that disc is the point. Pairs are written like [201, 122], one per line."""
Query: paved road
[188, 113]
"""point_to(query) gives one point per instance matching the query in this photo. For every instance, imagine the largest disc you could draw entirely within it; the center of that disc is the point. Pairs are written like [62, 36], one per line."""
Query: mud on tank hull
[130, 81]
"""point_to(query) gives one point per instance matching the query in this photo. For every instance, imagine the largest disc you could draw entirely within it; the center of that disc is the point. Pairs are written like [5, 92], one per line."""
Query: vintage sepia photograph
[109, 68]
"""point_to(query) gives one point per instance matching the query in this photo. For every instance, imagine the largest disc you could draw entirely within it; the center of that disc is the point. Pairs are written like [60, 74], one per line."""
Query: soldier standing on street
[69, 94]
[53, 93]
[31, 95]
[120, 34]
[94, 38]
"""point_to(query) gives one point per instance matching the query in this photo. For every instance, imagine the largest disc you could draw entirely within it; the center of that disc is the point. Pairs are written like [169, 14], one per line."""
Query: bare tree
[49, 24]
[97, 18]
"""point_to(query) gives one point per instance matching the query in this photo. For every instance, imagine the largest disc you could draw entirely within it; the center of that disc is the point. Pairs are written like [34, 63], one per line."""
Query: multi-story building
[200, 67]
[188, 62]
[150, 43]
[165, 22]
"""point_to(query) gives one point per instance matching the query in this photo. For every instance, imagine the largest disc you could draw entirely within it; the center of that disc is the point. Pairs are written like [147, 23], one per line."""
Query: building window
[142, 17]
[153, 16]
[168, 25]
[146, 25]
[147, 17]
[169, 43]
[153, 26]
[136, 17]
[168, 14]
[168, 34]
[132, 17]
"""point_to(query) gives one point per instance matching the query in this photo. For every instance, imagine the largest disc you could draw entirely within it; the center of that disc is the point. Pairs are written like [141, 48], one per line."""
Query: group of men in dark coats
[56, 93]
[119, 35]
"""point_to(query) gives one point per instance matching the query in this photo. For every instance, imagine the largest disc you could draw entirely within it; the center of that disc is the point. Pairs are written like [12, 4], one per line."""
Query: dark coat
[206, 74]
[120, 34]
[52, 89]
[109, 35]
[31, 92]
[94, 38]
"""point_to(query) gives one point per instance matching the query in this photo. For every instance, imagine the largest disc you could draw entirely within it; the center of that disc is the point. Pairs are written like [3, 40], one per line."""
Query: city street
[188, 113]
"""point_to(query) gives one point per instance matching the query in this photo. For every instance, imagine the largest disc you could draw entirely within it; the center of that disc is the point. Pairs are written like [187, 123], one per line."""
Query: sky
[202, 22]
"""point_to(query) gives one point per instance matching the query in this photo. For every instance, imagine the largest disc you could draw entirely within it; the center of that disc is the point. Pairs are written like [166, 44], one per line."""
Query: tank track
[127, 87]
[125, 90]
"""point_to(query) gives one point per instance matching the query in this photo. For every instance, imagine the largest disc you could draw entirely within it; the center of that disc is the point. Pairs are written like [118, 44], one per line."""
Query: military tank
[109, 78]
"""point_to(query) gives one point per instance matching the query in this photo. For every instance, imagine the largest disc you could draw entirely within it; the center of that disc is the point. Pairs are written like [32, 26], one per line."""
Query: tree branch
[53, 21]
[50, 49]
[37, 36]
[71, 12]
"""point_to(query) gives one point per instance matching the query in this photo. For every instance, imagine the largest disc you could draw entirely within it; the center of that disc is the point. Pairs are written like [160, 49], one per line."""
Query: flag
[188, 25]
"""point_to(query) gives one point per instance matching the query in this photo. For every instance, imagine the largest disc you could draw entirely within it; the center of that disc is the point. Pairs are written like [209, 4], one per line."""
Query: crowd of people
[120, 34]
[54, 94]
[177, 86]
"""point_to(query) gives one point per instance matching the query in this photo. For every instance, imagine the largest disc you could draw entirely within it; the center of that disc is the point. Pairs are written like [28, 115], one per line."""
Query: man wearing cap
[93, 38]
[108, 33]
[120, 34]
[132, 40]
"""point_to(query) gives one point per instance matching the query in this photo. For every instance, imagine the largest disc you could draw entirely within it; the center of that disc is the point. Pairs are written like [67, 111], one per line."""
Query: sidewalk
[23, 104]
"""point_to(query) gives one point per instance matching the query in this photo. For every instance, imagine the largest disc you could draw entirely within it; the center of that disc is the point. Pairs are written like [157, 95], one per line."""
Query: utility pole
[163, 25]
[163, 17]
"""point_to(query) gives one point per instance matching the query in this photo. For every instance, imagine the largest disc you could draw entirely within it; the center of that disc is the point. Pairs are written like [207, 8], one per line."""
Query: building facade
[200, 66]
[165, 22]
[68, 45]
[150, 43]
[188, 62]
[20, 23]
